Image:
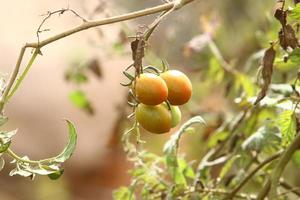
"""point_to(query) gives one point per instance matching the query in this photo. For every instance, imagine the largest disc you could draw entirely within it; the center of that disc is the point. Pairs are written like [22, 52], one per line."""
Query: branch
[272, 183]
[289, 188]
[251, 174]
[224, 192]
[19, 81]
[49, 14]
[84, 26]
[12, 79]
[111, 20]
[224, 64]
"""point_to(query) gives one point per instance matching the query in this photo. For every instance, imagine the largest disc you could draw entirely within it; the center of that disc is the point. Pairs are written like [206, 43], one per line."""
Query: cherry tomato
[151, 89]
[179, 87]
[176, 115]
[155, 119]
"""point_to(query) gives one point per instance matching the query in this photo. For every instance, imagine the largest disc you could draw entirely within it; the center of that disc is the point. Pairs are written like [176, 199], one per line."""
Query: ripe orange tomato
[179, 87]
[155, 119]
[151, 89]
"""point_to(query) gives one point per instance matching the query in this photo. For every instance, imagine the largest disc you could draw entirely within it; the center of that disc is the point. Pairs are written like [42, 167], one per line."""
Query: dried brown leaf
[137, 48]
[138, 52]
[281, 16]
[287, 37]
[267, 71]
[95, 67]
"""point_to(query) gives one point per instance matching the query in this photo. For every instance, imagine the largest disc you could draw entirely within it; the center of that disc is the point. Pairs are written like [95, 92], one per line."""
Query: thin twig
[224, 64]
[251, 174]
[224, 192]
[289, 188]
[49, 14]
[294, 190]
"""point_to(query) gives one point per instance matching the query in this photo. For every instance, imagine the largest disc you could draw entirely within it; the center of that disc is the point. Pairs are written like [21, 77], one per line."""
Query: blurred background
[78, 78]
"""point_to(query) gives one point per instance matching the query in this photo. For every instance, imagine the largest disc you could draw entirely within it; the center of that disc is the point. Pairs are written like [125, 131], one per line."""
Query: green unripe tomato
[155, 119]
[176, 115]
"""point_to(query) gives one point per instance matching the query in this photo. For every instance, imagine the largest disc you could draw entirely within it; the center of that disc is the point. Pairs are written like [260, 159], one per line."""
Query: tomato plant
[150, 89]
[246, 149]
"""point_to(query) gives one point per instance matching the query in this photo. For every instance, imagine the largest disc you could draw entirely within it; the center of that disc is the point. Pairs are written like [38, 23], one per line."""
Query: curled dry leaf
[287, 37]
[95, 67]
[281, 16]
[138, 52]
[267, 70]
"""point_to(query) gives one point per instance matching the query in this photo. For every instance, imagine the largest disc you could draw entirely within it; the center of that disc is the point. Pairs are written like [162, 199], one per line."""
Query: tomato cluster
[159, 97]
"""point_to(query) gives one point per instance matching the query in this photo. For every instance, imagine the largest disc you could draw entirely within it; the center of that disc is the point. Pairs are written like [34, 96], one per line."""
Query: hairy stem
[19, 159]
[19, 81]
[12, 78]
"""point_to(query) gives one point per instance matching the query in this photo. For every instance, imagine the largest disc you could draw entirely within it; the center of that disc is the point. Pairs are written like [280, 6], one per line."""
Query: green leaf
[295, 56]
[21, 172]
[80, 100]
[178, 176]
[41, 170]
[283, 66]
[76, 75]
[3, 120]
[215, 71]
[122, 193]
[5, 139]
[4, 147]
[226, 168]
[246, 84]
[287, 126]
[56, 175]
[296, 158]
[30, 170]
[69, 149]
[295, 13]
[266, 138]
[2, 163]
[181, 172]
[137, 172]
[171, 146]
[217, 137]
[189, 172]
[285, 89]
